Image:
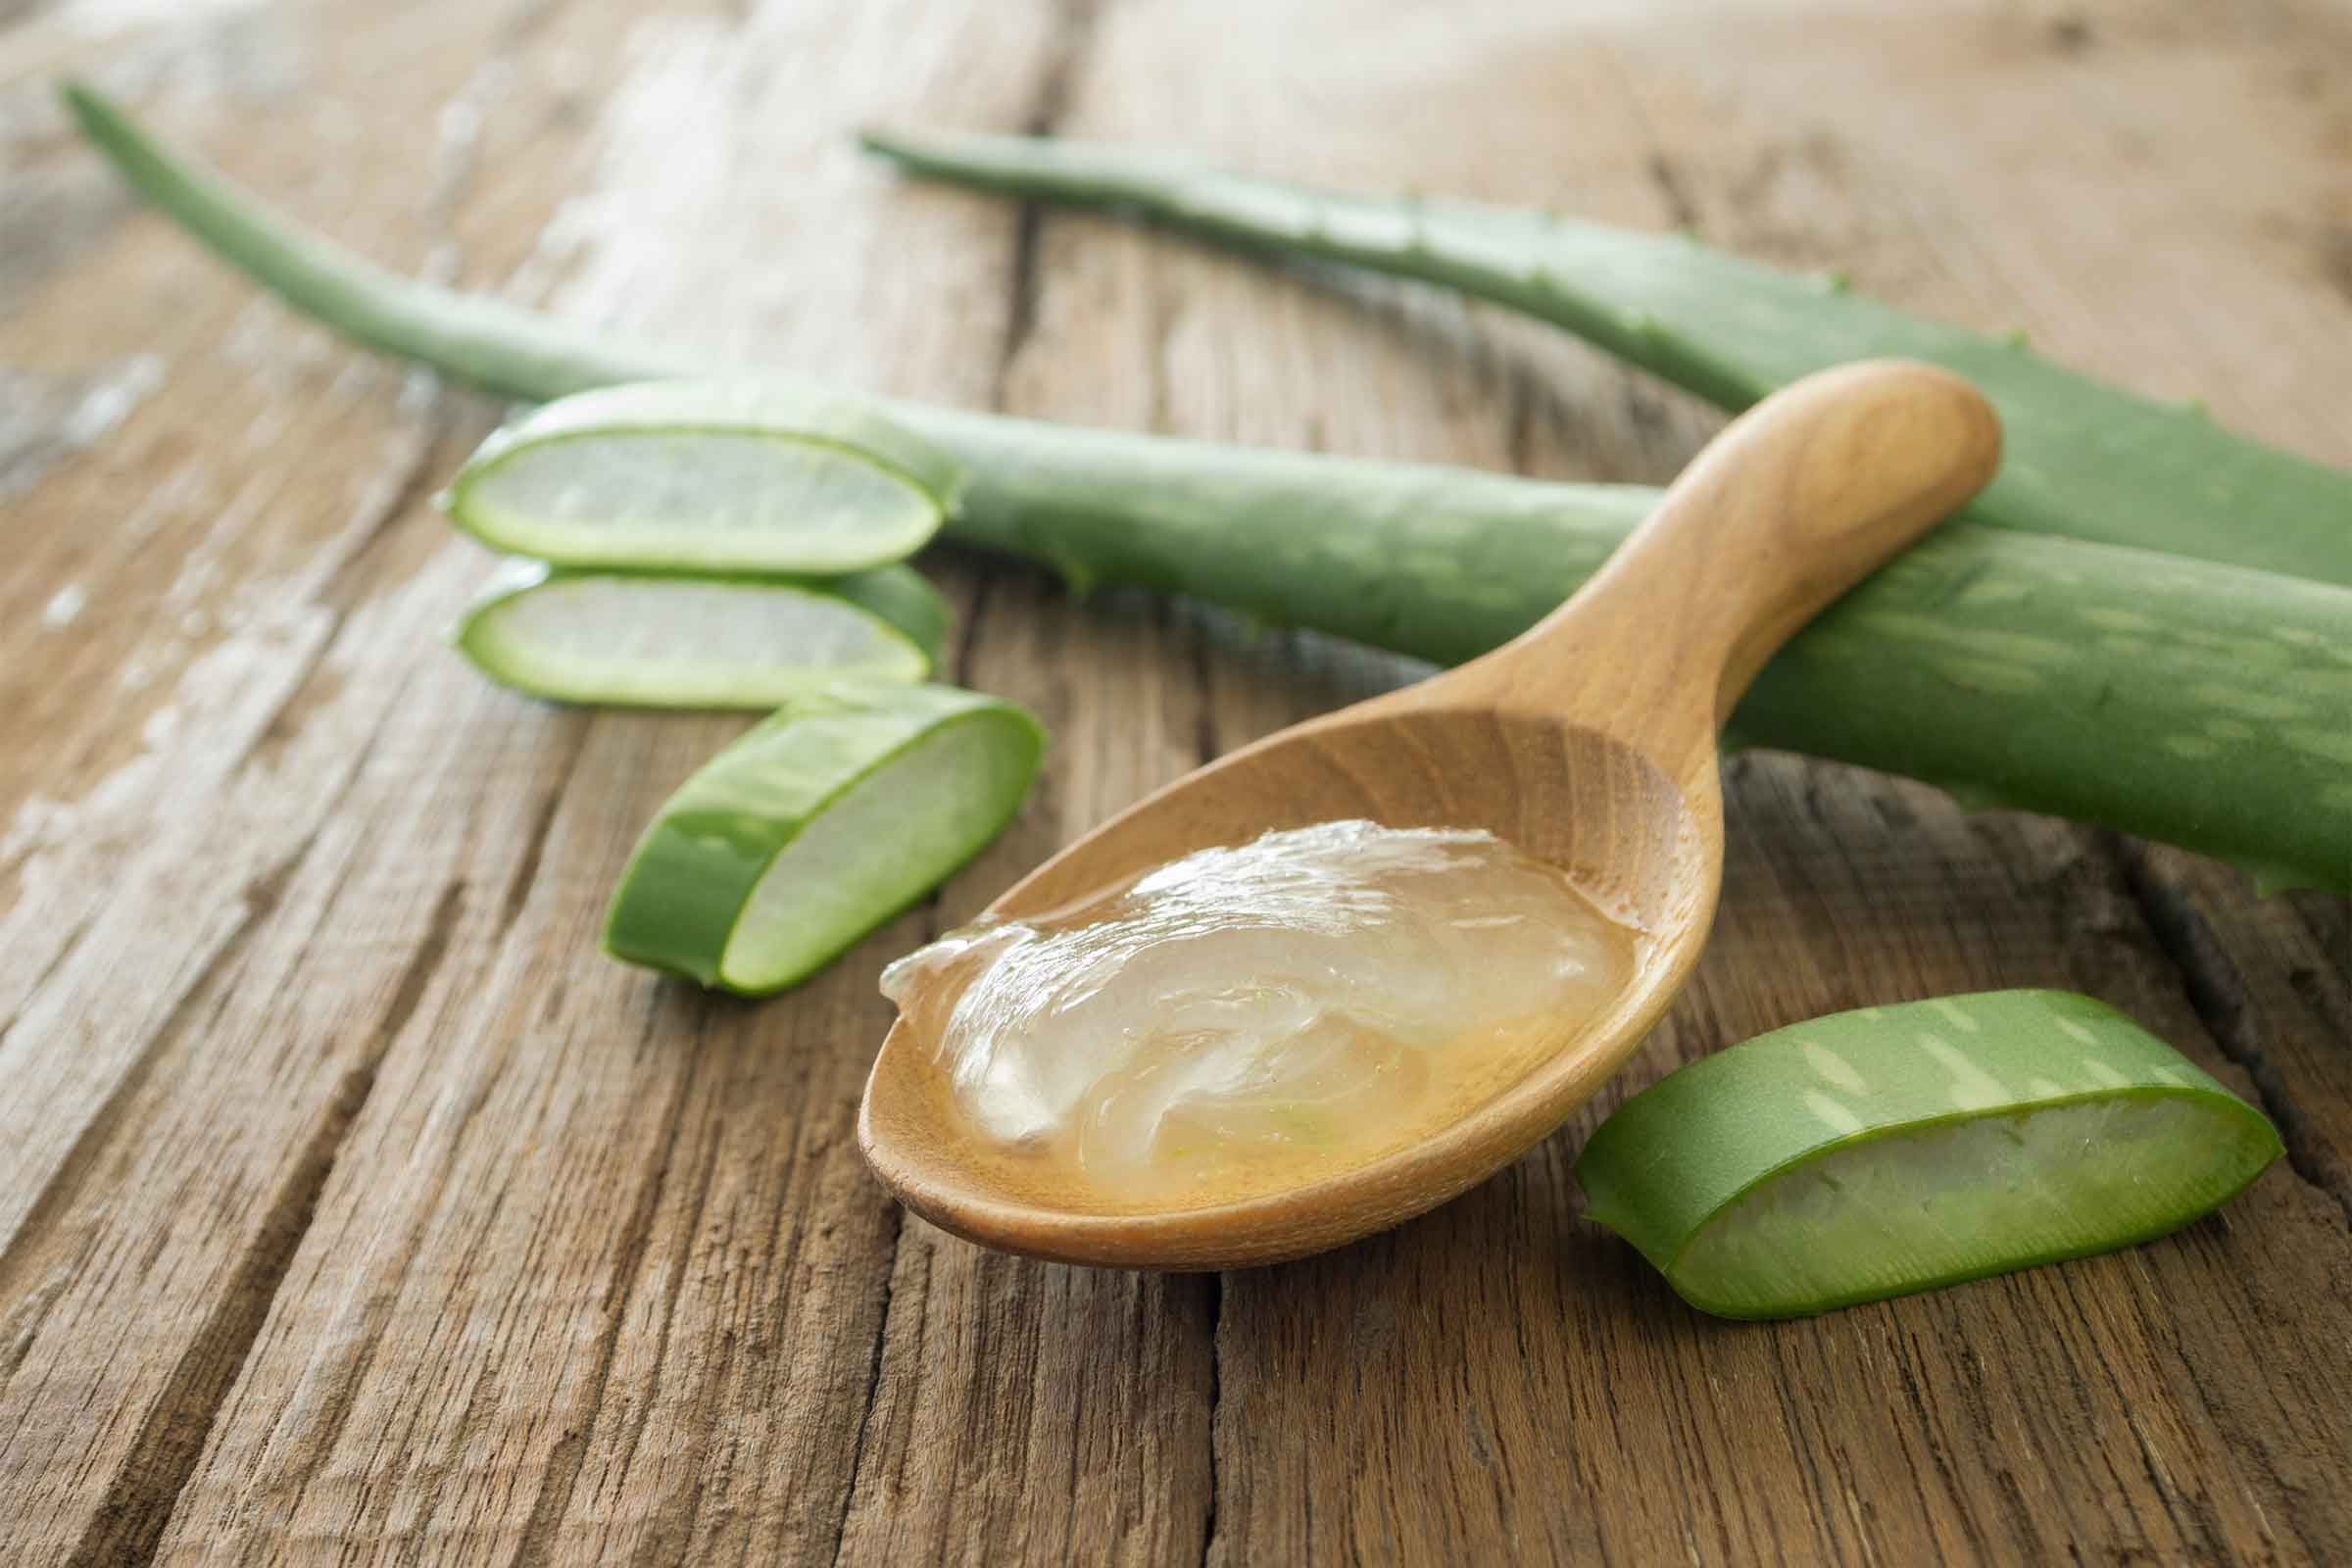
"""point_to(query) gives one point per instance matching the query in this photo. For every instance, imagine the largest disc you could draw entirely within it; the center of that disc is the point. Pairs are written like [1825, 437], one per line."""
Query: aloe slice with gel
[591, 636]
[818, 825]
[1891, 1149]
[726, 475]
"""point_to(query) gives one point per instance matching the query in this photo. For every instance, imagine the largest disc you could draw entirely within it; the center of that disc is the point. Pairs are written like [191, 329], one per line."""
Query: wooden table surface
[355, 1209]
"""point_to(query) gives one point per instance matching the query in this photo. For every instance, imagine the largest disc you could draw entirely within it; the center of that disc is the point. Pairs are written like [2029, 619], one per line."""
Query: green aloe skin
[2203, 704]
[2084, 459]
[706, 477]
[677, 640]
[1891, 1149]
[822, 822]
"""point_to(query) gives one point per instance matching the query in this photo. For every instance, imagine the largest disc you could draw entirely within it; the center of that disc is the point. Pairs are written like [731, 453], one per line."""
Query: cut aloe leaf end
[735, 476]
[1891, 1150]
[591, 636]
[822, 823]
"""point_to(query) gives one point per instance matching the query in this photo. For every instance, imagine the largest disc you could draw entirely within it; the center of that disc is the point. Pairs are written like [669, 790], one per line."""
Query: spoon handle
[1795, 502]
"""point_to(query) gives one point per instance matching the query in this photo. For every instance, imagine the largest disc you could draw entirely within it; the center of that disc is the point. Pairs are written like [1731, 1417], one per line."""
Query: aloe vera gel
[1250, 1018]
[622, 638]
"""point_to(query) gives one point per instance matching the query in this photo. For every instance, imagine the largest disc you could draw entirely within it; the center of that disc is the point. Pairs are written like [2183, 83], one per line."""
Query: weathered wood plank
[649, 1323]
[301, 897]
[214, 739]
[351, 1208]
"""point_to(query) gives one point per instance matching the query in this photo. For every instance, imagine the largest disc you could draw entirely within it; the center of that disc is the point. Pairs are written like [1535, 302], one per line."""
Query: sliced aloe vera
[2097, 681]
[740, 475]
[1892, 1150]
[818, 825]
[588, 636]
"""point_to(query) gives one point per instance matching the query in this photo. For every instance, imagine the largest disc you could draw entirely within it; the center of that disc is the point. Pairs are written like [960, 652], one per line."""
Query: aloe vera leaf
[673, 475]
[2196, 704]
[818, 825]
[1891, 1149]
[2085, 459]
[624, 638]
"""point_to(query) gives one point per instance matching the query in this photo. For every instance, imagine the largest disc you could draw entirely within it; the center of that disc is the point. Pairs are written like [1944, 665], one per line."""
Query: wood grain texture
[352, 1210]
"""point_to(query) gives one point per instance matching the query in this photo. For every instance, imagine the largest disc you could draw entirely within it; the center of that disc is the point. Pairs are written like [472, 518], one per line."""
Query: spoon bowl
[1589, 743]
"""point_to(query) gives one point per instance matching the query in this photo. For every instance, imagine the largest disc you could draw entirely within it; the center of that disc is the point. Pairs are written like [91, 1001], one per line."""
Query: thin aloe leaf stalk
[818, 826]
[2085, 459]
[481, 342]
[586, 635]
[1891, 1149]
[2201, 705]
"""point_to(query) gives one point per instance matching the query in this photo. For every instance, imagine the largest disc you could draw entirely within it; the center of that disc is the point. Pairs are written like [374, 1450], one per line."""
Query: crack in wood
[2313, 993]
[1519, 420]
[128, 1526]
[1020, 315]
[360, 1322]
[2187, 1512]
[449, 911]
[22, 1324]
[1204, 726]
[570, 1456]
[411, 483]
[873, 1382]
[672, 1530]
[2216, 992]
[308, 693]
[35, 1235]
[49, 970]
[1167, 310]
[1068, 51]
[1674, 192]
[543, 821]
[305, 695]
[1217, 1404]
[2329, 922]
[967, 642]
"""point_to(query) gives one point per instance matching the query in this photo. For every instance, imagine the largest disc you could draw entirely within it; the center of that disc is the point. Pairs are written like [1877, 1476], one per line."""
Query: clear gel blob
[1247, 1019]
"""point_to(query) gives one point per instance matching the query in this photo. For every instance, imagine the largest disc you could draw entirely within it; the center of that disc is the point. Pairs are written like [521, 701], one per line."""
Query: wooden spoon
[1588, 742]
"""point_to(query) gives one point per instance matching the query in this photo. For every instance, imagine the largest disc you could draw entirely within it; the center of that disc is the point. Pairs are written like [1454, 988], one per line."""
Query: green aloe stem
[2200, 703]
[2085, 459]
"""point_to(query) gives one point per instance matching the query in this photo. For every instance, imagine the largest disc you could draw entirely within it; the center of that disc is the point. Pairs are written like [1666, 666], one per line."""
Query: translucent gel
[1253, 1018]
[1963, 1197]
